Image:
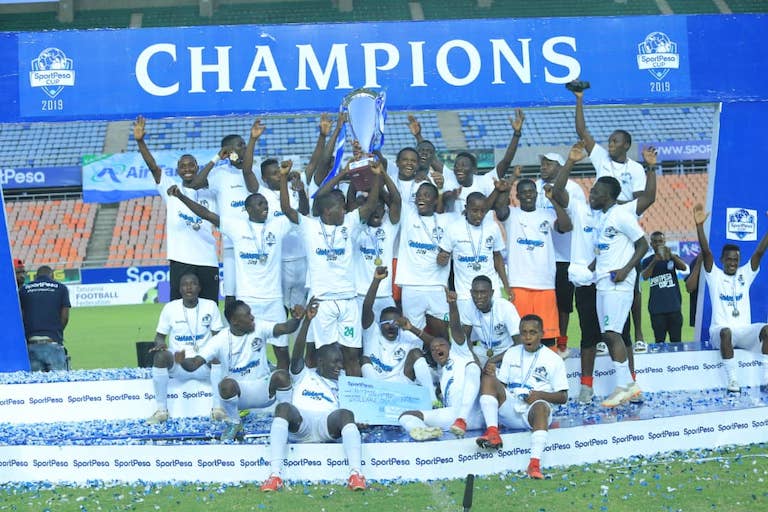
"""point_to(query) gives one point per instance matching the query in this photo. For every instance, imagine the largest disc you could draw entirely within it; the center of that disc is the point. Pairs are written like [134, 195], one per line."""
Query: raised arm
[395, 201]
[369, 206]
[759, 251]
[291, 324]
[368, 317]
[300, 344]
[406, 325]
[459, 333]
[692, 280]
[324, 129]
[285, 200]
[581, 125]
[415, 127]
[325, 163]
[138, 135]
[563, 222]
[251, 183]
[559, 191]
[195, 207]
[648, 196]
[700, 217]
[509, 154]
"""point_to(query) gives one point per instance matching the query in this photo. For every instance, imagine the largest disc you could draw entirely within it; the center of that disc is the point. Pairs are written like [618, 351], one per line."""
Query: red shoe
[271, 484]
[534, 471]
[356, 482]
[491, 439]
[459, 427]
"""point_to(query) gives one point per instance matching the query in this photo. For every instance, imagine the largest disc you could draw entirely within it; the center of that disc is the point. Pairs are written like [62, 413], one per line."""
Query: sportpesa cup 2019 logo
[658, 54]
[52, 70]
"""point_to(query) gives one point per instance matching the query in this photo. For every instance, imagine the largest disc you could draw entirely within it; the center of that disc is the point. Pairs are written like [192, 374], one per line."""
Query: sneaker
[491, 439]
[534, 471]
[426, 433]
[218, 414]
[733, 386]
[601, 348]
[231, 431]
[619, 396]
[641, 347]
[356, 481]
[159, 416]
[636, 394]
[586, 394]
[459, 427]
[272, 484]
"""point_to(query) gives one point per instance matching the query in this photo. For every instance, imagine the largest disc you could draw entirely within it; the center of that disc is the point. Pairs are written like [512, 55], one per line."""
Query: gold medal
[377, 261]
[489, 352]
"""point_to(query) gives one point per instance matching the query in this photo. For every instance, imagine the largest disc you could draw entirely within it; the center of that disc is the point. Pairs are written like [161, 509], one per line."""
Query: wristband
[517, 133]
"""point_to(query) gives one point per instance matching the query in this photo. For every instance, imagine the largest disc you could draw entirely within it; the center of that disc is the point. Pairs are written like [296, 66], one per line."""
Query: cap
[555, 157]
[17, 263]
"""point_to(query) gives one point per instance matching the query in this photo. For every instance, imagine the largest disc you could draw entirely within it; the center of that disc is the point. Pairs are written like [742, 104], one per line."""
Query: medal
[489, 352]
[377, 261]
[735, 313]
[263, 259]
[196, 226]
[476, 267]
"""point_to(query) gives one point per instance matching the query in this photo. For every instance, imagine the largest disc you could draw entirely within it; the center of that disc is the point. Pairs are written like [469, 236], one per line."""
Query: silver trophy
[365, 116]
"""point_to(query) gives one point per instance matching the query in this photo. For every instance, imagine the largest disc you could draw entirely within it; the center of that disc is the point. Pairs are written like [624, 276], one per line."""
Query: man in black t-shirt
[665, 299]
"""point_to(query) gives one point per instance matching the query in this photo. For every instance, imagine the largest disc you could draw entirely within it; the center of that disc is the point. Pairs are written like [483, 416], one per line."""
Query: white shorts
[313, 428]
[418, 301]
[511, 416]
[337, 321]
[378, 305]
[294, 282]
[445, 417]
[269, 310]
[742, 336]
[254, 393]
[613, 309]
[230, 280]
[177, 372]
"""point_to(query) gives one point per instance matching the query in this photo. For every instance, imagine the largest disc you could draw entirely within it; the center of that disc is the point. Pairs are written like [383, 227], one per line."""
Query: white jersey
[228, 184]
[492, 330]
[293, 244]
[189, 329]
[452, 376]
[242, 357]
[257, 250]
[388, 357]
[630, 174]
[560, 241]
[190, 238]
[420, 237]
[522, 371]
[330, 255]
[530, 252]
[472, 249]
[312, 392]
[729, 294]
[617, 231]
[582, 243]
[375, 244]
[482, 183]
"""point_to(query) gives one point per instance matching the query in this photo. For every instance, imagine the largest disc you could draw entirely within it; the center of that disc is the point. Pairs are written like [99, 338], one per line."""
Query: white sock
[410, 422]
[278, 440]
[424, 377]
[623, 375]
[368, 371]
[538, 442]
[471, 390]
[350, 438]
[160, 383]
[283, 395]
[230, 406]
[489, 405]
[730, 368]
[217, 375]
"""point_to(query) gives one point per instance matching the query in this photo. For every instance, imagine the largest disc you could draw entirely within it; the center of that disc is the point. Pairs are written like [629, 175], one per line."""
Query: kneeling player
[315, 415]
[521, 394]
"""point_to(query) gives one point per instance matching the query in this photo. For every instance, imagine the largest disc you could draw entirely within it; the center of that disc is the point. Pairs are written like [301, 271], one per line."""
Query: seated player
[520, 394]
[242, 351]
[390, 350]
[185, 325]
[315, 415]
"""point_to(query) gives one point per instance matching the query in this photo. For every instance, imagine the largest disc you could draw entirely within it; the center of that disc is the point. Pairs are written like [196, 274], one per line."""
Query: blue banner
[143, 274]
[40, 177]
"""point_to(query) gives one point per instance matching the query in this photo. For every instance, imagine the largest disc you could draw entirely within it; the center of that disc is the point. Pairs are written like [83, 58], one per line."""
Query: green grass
[730, 479]
[105, 337]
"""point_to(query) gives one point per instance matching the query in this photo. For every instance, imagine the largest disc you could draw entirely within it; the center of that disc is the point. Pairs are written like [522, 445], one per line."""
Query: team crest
[610, 232]
[545, 227]
[380, 235]
[437, 233]
[206, 321]
[399, 354]
[658, 54]
[344, 232]
[270, 239]
[52, 70]
[489, 243]
[540, 374]
[256, 344]
[740, 279]
[742, 224]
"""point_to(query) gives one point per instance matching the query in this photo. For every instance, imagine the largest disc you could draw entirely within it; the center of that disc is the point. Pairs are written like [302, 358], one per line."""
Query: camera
[577, 85]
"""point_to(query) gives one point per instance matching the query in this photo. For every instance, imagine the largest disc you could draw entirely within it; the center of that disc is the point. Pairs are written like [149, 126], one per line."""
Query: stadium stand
[49, 144]
[50, 231]
[139, 237]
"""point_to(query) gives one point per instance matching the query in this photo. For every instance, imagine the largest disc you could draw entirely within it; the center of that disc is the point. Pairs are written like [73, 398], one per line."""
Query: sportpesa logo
[52, 70]
[658, 54]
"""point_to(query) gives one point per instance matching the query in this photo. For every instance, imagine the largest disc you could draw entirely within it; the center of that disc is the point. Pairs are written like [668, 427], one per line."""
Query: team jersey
[472, 249]
[530, 253]
[228, 184]
[482, 183]
[617, 231]
[313, 392]
[388, 357]
[492, 330]
[258, 250]
[420, 237]
[560, 241]
[522, 371]
[452, 376]
[293, 244]
[190, 238]
[730, 294]
[189, 329]
[375, 244]
[582, 243]
[630, 174]
[330, 255]
[242, 357]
